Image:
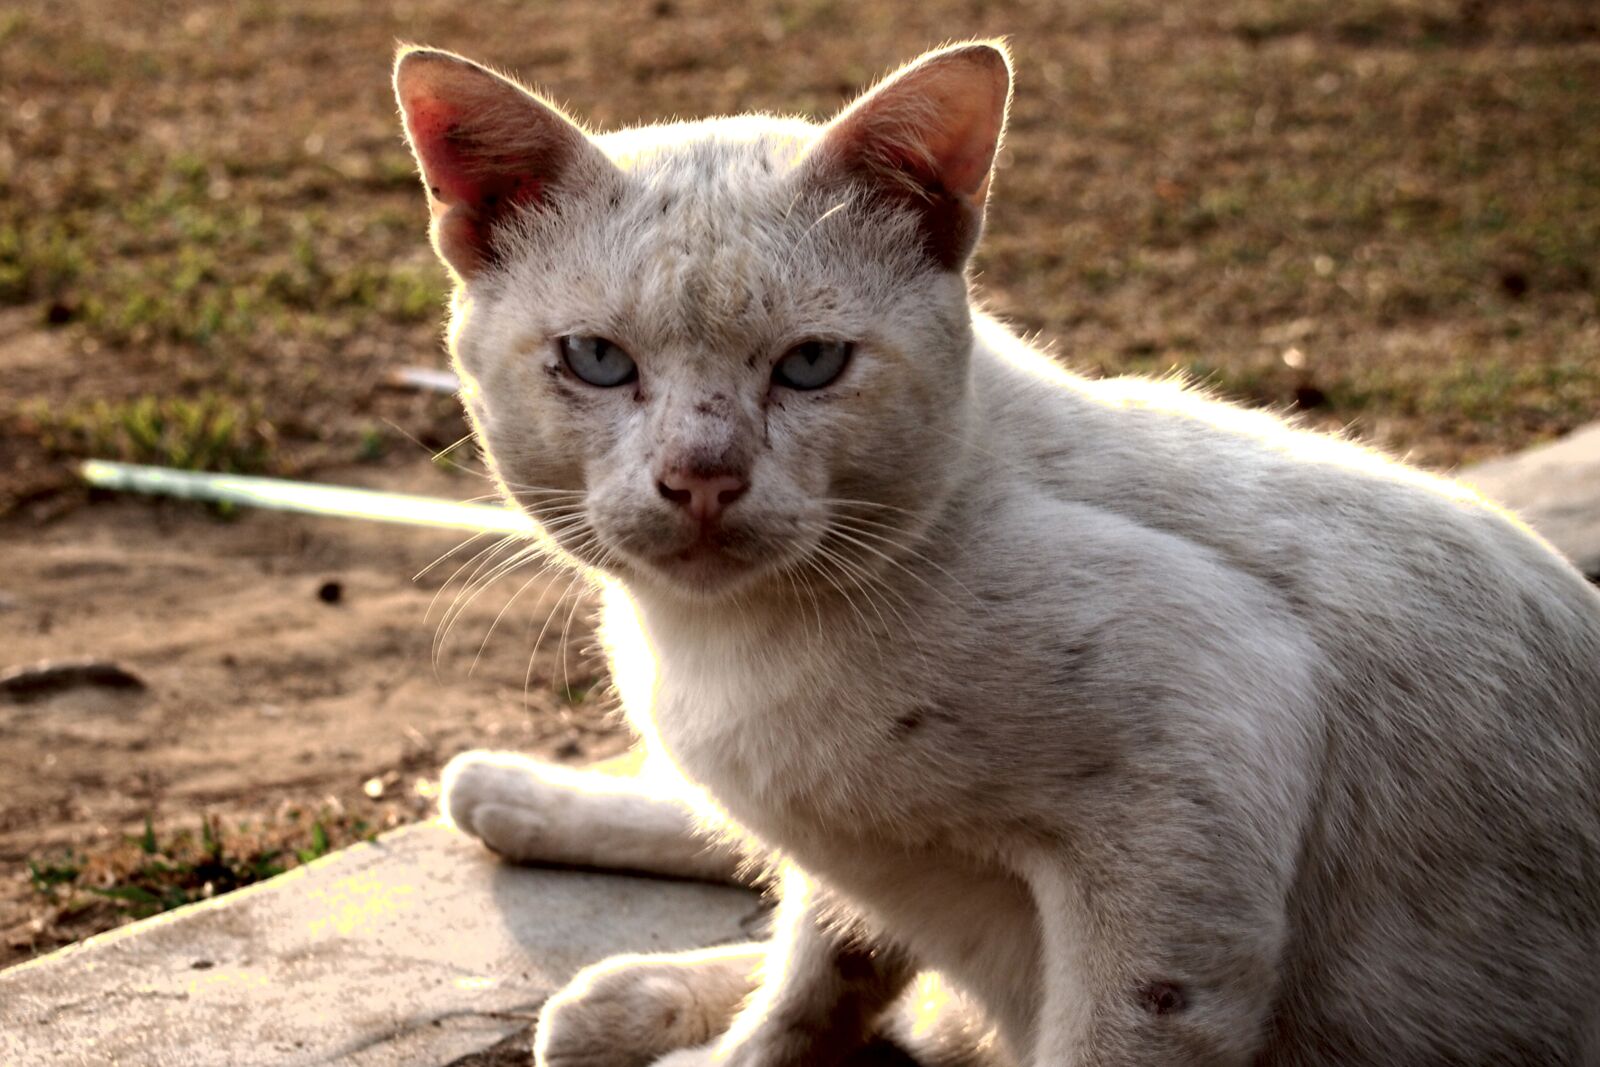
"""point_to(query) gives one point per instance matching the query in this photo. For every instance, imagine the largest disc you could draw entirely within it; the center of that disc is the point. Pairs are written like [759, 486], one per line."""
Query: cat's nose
[704, 496]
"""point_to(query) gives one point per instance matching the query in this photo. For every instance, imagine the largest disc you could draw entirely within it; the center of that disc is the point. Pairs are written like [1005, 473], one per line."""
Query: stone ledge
[1556, 490]
[417, 949]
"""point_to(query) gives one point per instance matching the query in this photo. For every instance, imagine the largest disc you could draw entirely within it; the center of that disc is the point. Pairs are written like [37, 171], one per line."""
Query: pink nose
[703, 495]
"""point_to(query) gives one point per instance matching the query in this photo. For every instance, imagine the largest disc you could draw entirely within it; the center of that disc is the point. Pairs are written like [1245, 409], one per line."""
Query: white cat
[1161, 731]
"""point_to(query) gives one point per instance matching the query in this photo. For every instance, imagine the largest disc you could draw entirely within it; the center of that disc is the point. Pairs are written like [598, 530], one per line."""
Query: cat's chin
[701, 571]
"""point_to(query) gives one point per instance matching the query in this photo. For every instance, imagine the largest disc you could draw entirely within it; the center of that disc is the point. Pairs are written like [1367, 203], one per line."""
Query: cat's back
[1452, 856]
[1339, 533]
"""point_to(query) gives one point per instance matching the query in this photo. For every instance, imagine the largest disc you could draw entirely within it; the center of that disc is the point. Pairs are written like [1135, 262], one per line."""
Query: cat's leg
[629, 1011]
[633, 1010]
[1166, 957]
[820, 997]
[934, 1025]
[533, 812]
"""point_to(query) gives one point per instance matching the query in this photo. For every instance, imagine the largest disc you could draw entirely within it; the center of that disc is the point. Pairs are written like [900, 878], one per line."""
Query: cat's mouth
[712, 562]
[704, 565]
[699, 552]
[698, 559]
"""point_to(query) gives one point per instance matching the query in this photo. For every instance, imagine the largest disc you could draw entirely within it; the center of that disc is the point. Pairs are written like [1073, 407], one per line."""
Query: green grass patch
[151, 873]
[209, 433]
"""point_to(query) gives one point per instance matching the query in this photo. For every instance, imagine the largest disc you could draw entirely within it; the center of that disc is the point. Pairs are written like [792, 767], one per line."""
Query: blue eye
[812, 364]
[597, 361]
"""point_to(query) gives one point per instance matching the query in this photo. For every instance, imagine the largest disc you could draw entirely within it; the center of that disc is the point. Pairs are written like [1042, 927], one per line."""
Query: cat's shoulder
[1144, 428]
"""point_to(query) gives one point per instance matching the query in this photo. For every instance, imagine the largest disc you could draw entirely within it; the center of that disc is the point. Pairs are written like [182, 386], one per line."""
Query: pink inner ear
[486, 146]
[460, 172]
[951, 170]
[962, 161]
[937, 122]
[927, 138]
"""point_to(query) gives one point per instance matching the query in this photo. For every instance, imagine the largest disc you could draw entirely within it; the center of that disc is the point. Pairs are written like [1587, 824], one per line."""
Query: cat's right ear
[487, 149]
[926, 138]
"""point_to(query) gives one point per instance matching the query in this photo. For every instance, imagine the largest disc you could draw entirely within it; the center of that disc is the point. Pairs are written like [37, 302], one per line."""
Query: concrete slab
[1556, 490]
[417, 949]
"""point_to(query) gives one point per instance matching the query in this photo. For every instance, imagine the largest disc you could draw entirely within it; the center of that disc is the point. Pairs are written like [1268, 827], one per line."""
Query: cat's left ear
[487, 148]
[927, 137]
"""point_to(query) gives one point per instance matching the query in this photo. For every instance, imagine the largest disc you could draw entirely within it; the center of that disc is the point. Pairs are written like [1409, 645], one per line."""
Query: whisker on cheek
[471, 590]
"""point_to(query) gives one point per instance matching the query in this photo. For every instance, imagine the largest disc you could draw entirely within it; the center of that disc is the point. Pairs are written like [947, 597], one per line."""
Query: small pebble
[330, 592]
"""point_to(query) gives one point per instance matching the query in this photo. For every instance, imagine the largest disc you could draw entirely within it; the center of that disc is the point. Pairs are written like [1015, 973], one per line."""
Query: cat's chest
[860, 780]
[767, 744]
[790, 750]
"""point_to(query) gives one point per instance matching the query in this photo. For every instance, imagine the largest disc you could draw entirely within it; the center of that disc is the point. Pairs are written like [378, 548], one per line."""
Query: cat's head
[721, 355]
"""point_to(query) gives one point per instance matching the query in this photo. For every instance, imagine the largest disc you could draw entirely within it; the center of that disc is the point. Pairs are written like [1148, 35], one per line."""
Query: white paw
[533, 812]
[625, 1012]
[509, 802]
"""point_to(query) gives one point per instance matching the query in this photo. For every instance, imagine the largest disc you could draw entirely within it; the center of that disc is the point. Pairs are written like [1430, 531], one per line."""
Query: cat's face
[717, 356]
[808, 368]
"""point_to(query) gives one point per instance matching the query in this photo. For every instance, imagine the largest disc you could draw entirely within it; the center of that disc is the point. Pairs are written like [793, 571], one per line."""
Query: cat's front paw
[632, 1010]
[511, 803]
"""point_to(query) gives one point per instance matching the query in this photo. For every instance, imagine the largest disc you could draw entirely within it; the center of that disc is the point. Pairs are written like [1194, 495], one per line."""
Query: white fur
[535, 812]
[1166, 732]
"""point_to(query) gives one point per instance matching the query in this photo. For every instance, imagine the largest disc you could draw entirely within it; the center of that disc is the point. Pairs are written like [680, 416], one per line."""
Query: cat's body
[1168, 733]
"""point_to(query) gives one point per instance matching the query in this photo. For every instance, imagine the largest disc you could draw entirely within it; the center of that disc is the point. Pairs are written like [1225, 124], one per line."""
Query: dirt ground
[1385, 213]
[262, 697]
[1382, 214]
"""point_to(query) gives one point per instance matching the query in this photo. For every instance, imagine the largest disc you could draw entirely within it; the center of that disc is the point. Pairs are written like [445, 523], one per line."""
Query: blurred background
[1381, 214]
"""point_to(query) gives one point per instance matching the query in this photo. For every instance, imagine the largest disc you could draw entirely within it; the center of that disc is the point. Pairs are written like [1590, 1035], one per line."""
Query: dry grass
[213, 199]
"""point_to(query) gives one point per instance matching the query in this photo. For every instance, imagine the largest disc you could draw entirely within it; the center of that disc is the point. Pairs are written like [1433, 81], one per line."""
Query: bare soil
[265, 703]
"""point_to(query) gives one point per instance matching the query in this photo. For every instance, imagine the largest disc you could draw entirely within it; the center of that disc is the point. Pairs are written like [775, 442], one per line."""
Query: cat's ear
[927, 136]
[487, 148]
